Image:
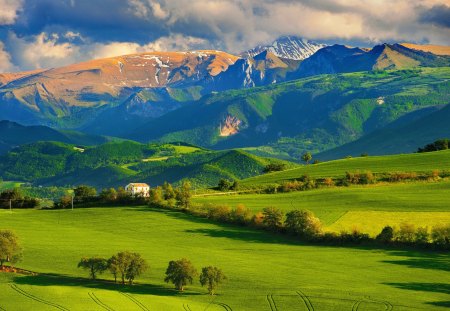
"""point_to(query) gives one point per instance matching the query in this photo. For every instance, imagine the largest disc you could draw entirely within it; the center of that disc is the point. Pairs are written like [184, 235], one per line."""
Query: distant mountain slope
[435, 49]
[288, 47]
[312, 114]
[71, 96]
[339, 59]
[261, 69]
[116, 164]
[402, 139]
[13, 134]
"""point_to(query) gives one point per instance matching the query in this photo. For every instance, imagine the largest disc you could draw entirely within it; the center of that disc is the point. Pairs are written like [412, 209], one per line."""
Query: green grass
[416, 162]
[330, 204]
[261, 268]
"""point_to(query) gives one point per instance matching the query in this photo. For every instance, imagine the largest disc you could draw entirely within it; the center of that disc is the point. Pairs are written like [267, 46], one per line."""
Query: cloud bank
[50, 33]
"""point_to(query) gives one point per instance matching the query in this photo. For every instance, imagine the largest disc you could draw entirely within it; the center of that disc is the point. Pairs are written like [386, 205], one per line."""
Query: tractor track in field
[224, 305]
[306, 301]
[271, 301]
[99, 302]
[387, 305]
[2, 309]
[186, 307]
[135, 301]
[28, 295]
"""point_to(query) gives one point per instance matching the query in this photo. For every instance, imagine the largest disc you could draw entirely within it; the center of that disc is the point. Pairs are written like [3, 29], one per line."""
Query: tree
[168, 191]
[94, 265]
[127, 265]
[386, 235]
[273, 217]
[84, 192]
[441, 235]
[180, 273]
[224, 184]
[108, 195]
[156, 195]
[13, 195]
[10, 250]
[183, 195]
[306, 157]
[302, 223]
[422, 236]
[406, 232]
[212, 277]
[136, 267]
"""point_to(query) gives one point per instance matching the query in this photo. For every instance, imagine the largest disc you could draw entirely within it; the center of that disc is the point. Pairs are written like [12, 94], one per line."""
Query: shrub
[441, 235]
[240, 215]
[329, 182]
[386, 235]
[400, 176]
[406, 233]
[274, 167]
[272, 218]
[302, 223]
[422, 236]
[219, 212]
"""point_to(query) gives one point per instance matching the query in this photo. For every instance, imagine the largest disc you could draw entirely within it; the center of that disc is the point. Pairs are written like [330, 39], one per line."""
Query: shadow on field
[243, 235]
[63, 280]
[443, 288]
[421, 260]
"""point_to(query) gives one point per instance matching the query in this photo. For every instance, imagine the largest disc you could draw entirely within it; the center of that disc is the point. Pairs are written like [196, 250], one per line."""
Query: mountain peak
[289, 47]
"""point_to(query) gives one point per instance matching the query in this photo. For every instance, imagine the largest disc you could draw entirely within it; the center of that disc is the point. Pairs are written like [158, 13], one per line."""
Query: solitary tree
[212, 277]
[10, 250]
[94, 265]
[180, 273]
[272, 217]
[303, 223]
[306, 157]
[183, 195]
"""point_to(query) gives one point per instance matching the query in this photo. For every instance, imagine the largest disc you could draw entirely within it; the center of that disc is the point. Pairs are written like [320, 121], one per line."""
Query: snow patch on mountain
[289, 47]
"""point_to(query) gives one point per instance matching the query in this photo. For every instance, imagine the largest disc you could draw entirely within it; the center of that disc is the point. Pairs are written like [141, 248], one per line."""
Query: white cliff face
[289, 47]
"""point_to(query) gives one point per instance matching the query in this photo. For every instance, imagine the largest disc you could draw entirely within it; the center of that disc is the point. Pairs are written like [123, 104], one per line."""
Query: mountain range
[278, 99]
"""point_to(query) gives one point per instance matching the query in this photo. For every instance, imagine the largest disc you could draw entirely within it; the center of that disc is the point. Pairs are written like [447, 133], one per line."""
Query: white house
[138, 189]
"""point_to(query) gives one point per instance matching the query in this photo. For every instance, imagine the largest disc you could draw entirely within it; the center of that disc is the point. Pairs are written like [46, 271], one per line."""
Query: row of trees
[128, 265]
[14, 198]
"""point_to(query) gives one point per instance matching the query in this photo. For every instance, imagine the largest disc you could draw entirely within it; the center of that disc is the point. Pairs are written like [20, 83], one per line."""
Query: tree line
[129, 265]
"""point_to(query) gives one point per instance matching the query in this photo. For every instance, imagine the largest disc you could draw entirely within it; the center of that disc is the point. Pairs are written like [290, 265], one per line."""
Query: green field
[4, 185]
[415, 162]
[421, 199]
[266, 272]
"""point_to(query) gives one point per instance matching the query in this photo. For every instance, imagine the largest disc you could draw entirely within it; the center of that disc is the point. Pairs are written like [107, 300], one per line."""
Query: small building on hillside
[138, 189]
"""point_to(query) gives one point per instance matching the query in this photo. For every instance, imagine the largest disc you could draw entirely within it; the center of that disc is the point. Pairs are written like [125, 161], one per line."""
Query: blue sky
[51, 33]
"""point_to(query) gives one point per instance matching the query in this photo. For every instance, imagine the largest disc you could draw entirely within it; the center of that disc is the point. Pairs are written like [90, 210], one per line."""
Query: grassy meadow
[265, 271]
[415, 162]
[368, 208]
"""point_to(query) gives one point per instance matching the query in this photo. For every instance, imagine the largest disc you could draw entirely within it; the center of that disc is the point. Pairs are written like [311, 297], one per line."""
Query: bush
[272, 218]
[441, 235]
[406, 233]
[386, 235]
[219, 213]
[329, 182]
[302, 223]
[274, 167]
[400, 176]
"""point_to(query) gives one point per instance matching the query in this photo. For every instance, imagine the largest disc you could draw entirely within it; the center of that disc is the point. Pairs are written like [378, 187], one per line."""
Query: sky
[51, 33]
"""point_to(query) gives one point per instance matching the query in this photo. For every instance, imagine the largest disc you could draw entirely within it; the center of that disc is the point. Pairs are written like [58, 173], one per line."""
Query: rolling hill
[13, 134]
[116, 164]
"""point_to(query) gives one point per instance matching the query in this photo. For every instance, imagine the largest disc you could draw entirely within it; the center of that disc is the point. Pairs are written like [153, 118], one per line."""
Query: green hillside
[115, 164]
[314, 114]
[402, 138]
[262, 269]
[13, 134]
[417, 162]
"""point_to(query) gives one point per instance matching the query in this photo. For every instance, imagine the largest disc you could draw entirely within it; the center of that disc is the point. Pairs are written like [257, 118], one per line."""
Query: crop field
[339, 208]
[265, 272]
[416, 162]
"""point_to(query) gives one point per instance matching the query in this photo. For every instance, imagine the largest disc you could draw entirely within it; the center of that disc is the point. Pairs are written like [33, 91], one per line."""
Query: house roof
[138, 185]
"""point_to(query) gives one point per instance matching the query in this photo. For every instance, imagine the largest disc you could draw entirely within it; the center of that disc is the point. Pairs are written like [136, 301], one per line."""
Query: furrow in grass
[225, 306]
[272, 303]
[355, 306]
[137, 302]
[99, 302]
[28, 295]
[306, 300]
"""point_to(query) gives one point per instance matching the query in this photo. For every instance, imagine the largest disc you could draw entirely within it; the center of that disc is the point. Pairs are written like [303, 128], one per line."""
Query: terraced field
[265, 272]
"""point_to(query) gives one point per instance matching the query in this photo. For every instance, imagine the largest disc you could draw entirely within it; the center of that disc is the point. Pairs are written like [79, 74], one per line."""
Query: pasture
[265, 271]
[369, 207]
[415, 162]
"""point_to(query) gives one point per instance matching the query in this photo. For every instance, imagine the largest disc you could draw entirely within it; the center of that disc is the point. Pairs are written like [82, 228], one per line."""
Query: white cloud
[5, 60]
[9, 10]
[71, 35]
[43, 51]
